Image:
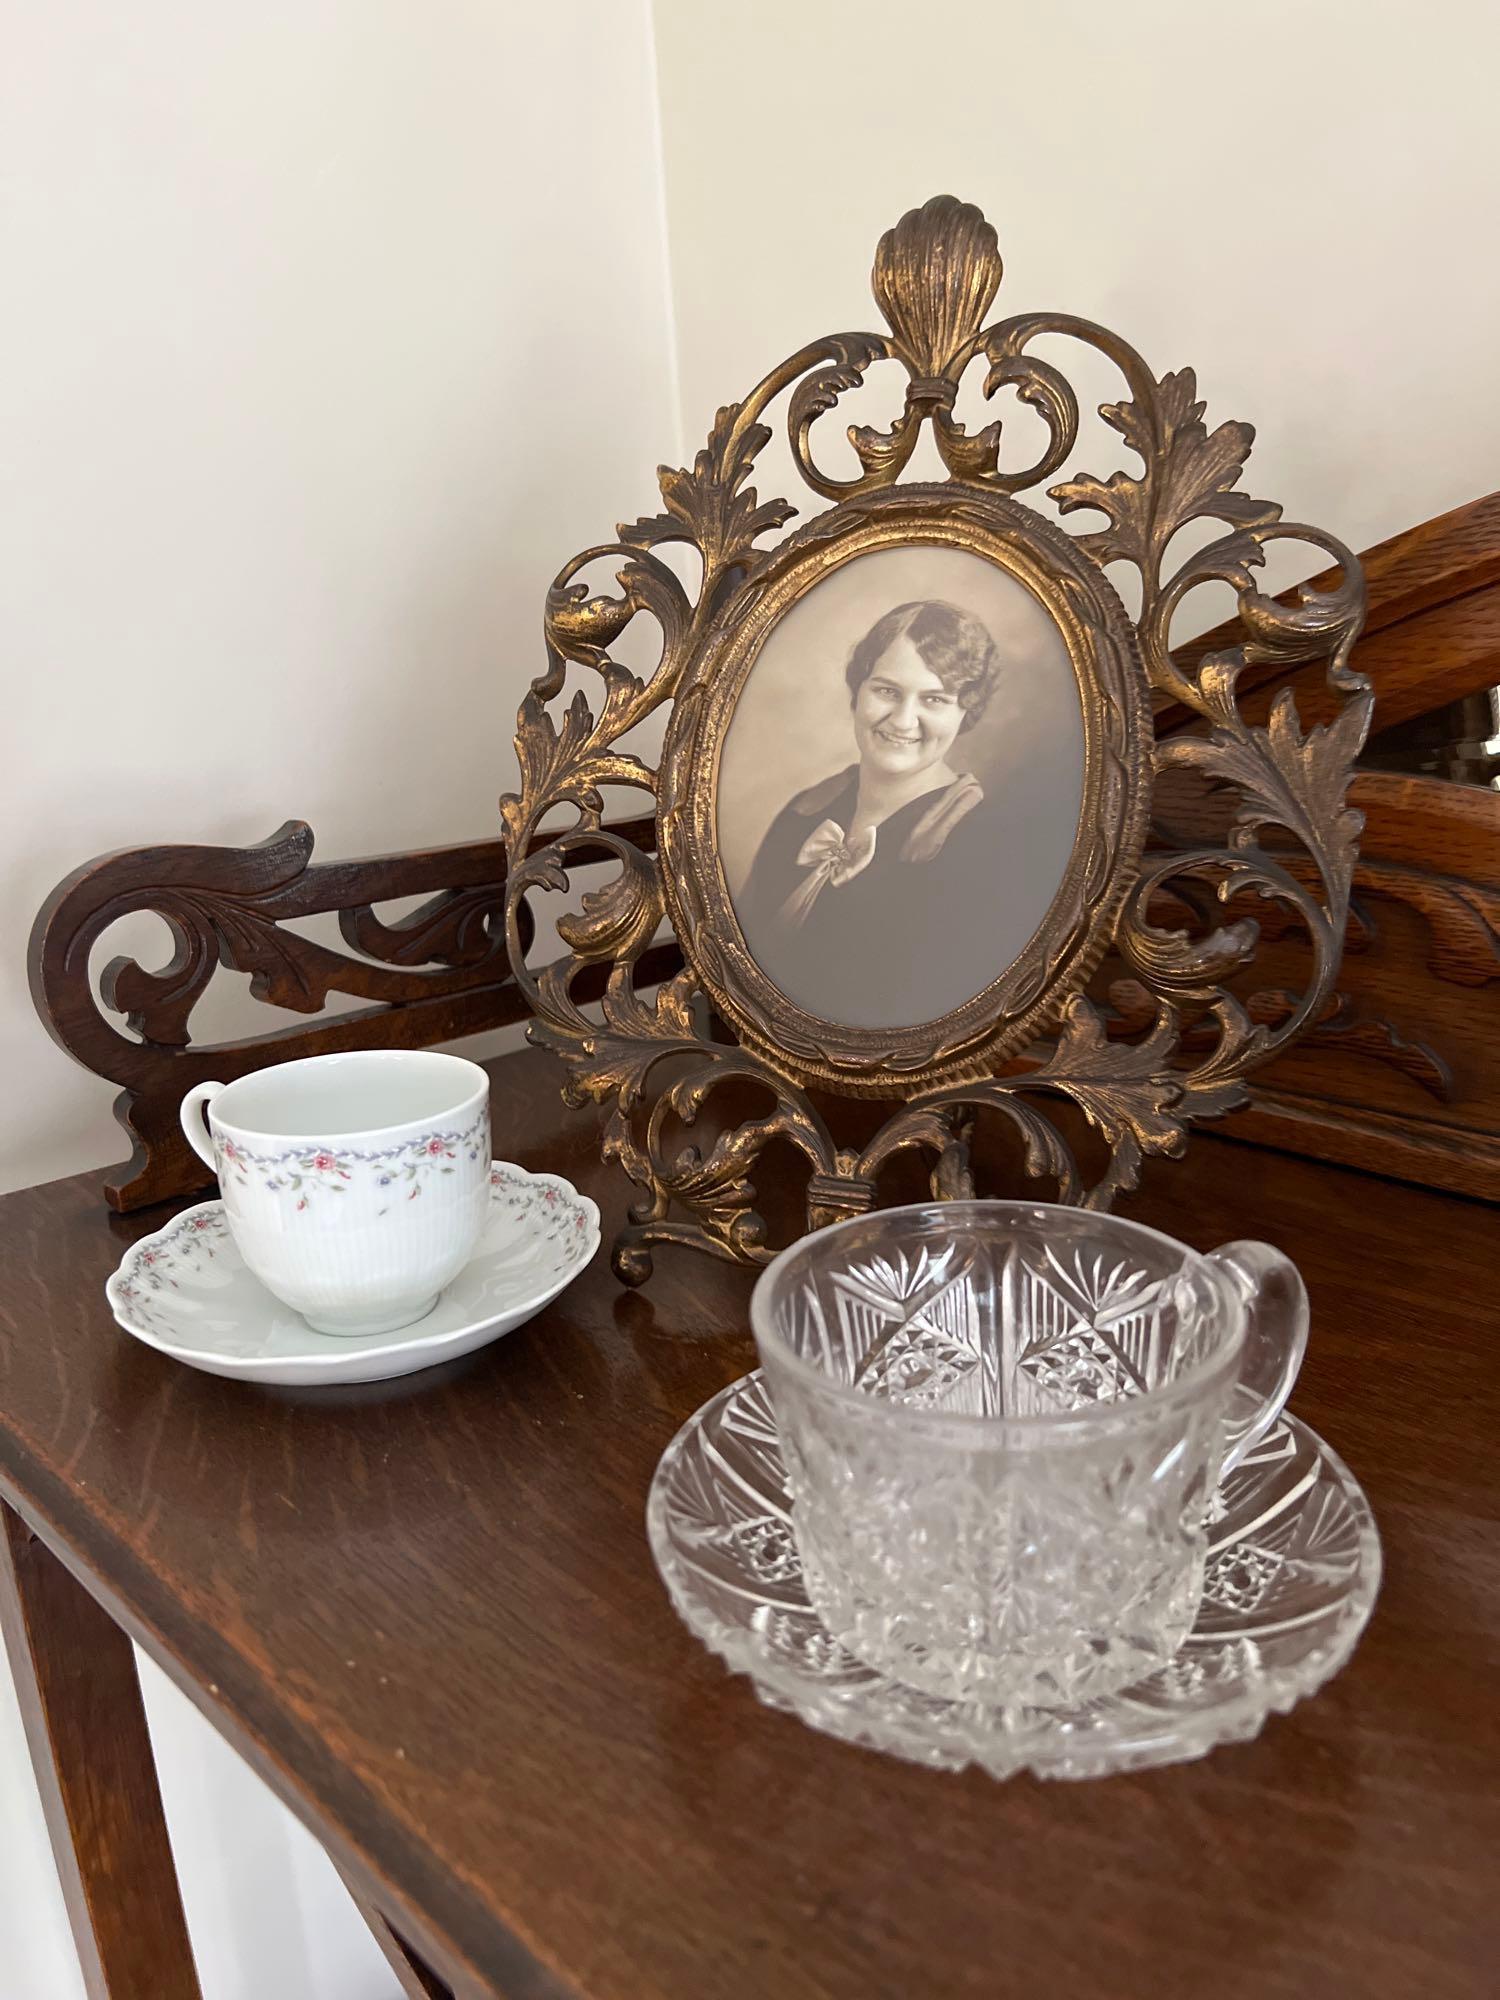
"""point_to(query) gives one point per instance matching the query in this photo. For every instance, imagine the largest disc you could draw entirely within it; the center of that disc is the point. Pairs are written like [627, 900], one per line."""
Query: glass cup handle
[1275, 1301]
[193, 1127]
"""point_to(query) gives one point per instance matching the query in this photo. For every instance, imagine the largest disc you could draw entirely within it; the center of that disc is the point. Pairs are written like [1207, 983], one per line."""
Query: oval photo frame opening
[951, 667]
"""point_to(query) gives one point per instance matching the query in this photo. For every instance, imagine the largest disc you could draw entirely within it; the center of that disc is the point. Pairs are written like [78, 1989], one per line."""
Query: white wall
[331, 328]
[331, 331]
[1297, 199]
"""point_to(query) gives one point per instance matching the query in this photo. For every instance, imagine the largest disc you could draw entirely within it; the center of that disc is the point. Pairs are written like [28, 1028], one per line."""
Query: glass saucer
[1293, 1568]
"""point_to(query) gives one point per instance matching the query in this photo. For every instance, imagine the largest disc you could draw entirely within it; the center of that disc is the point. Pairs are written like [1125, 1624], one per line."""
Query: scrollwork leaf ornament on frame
[1035, 1038]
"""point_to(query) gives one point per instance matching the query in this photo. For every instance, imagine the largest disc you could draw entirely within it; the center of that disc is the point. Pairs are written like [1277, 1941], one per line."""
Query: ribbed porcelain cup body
[1003, 1426]
[355, 1185]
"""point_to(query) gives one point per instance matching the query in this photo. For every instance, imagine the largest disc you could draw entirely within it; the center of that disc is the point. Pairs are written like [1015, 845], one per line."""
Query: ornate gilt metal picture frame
[963, 939]
[903, 798]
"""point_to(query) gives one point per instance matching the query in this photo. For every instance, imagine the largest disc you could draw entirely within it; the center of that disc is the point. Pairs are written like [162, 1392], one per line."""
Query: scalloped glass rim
[1132, 1730]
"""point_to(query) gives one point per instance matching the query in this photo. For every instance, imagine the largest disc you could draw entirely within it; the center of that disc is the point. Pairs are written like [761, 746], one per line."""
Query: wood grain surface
[80, 1697]
[1402, 1077]
[427, 1613]
[1431, 631]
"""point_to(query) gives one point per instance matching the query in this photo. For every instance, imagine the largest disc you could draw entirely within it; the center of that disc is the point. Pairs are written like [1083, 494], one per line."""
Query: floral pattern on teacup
[308, 1169]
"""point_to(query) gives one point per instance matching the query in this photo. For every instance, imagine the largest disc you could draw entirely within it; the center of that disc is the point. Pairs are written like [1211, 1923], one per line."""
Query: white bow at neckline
[831, 857]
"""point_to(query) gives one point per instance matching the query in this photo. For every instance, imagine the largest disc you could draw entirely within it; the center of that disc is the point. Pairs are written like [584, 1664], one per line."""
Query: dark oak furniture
[426, 1613]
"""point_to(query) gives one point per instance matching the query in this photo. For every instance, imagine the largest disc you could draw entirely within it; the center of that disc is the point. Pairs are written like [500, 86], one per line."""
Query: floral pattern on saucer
[310, 1169]
[549, 1206]
[160, 1263]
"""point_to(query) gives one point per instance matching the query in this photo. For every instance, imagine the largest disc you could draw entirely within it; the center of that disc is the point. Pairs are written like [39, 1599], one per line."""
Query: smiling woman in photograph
[861, 902]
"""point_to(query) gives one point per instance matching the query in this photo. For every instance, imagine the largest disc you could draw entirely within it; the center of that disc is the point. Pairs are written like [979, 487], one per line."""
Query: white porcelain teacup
[355, 1185]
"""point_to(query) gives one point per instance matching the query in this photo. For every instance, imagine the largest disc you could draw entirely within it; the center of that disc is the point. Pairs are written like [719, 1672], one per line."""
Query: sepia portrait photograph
[900, 785]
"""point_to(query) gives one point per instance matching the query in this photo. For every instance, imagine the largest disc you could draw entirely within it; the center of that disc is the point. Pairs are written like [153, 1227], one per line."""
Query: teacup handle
[194, 1129]
[1275, 1301]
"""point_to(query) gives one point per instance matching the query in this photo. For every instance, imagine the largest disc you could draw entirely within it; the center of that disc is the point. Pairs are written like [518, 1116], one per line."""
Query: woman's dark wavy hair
[953, 644]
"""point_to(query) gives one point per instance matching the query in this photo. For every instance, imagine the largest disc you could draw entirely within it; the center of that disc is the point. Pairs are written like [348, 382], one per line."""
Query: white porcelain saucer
[1293, 1568]
[186, 1292]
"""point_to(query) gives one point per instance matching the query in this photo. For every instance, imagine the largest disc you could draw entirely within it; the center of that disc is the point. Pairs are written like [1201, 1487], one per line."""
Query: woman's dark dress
[908, 938]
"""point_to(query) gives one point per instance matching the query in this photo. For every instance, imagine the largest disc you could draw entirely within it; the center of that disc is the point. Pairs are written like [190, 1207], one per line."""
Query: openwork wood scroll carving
[1032, 1042]
[435, 975]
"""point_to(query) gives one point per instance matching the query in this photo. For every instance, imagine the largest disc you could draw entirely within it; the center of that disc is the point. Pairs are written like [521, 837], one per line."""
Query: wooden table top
[426, 1611]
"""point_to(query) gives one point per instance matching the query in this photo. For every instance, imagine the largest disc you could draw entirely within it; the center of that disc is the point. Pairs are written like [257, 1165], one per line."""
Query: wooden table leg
[81, 1703]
